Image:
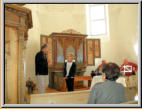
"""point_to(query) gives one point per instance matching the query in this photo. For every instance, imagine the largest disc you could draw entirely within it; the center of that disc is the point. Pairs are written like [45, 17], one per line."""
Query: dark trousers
[70, 84]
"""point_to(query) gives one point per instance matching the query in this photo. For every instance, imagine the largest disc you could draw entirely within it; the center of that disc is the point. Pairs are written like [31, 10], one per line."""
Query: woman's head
[69, 57]
[111, 71]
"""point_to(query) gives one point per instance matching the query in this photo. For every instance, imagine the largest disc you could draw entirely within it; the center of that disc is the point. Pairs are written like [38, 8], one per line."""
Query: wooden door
[11, 65]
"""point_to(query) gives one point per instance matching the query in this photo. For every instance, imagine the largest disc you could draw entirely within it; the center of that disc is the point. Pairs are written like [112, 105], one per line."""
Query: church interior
[93, 32]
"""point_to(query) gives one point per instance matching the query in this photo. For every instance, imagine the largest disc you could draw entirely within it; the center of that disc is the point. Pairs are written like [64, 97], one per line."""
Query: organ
[85, 51]
[59, 44]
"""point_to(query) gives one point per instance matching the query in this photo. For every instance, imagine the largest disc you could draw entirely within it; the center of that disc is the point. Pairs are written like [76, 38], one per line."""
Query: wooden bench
[75, 97]
[130, 102]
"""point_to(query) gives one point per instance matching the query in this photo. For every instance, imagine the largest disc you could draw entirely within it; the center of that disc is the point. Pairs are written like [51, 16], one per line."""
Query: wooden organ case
[59, 44]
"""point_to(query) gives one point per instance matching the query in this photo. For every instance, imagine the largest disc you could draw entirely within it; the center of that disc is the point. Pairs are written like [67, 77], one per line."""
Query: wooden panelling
[90, 52]
[50, 51]
[93, 50]
[97, 48]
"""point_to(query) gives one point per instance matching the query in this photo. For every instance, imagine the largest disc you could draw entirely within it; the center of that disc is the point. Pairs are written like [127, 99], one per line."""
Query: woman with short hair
[108, 92]
[69, 71]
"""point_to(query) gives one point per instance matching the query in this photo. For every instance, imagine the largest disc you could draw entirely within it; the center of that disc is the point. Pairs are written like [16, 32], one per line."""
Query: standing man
[69, 71]
[41, 68]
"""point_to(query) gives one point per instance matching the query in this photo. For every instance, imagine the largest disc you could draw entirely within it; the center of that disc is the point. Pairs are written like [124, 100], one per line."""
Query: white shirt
[69, 64]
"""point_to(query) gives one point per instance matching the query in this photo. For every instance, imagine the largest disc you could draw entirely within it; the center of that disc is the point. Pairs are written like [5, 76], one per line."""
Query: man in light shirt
[69, 71]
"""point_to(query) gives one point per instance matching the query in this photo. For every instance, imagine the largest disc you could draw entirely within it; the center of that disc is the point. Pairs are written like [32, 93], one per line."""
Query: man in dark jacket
[69, 71]
[41, 68]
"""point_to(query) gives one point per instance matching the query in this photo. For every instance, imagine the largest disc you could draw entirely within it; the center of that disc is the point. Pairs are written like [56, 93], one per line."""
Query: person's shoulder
[74, 63]
[131, 63]
[122, 65]
[39, 53]
[65, 63]
[98, 85]
[119, 85]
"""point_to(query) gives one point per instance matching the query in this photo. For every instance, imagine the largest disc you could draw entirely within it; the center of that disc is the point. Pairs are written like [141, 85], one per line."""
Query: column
[21, 77]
